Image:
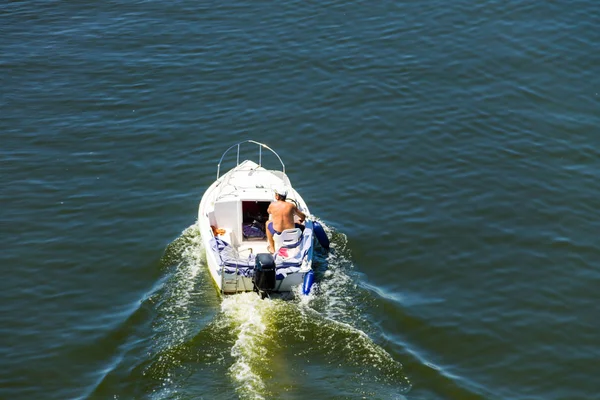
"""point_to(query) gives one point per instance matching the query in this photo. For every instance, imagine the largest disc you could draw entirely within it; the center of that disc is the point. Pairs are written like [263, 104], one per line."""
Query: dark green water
[450, 148]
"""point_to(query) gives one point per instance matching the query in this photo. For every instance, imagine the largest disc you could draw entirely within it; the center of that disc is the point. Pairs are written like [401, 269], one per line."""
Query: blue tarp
[227, 256]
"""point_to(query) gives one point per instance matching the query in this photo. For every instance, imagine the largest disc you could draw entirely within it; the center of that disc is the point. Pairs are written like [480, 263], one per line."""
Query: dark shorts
[273, 231]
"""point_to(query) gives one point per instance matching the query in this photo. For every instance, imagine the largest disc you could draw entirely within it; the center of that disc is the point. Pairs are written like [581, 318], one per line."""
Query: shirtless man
[282, 216]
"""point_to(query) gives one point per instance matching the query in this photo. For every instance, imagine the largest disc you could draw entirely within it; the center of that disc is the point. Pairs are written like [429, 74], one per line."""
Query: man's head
[280, 192]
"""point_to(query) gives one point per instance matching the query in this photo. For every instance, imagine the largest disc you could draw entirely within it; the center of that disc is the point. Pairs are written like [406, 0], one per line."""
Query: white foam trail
[175, 307]
[245, 313]
[185, 281]
[337, 288]
[193, 254]
[337, 301]
[253, 323]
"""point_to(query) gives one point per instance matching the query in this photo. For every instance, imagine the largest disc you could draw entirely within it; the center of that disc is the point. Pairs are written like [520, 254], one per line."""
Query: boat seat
[289, 238]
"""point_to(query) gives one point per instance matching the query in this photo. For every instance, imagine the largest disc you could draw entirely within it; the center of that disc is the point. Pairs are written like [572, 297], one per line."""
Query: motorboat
[233, 217]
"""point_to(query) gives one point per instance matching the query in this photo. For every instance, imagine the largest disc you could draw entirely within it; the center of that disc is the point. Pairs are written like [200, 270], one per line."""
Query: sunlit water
[450, 148]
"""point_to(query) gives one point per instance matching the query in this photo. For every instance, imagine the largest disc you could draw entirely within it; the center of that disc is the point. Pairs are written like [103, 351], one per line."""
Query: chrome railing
[260, 147]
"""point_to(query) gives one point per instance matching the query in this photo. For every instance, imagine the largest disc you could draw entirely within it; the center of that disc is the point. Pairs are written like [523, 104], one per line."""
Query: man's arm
[300, 214]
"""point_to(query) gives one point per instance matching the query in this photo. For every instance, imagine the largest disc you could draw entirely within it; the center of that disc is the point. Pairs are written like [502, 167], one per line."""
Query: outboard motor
[264, 274]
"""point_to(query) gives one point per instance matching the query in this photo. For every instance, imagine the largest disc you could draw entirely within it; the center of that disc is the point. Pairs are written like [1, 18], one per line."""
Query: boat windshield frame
[260, 147]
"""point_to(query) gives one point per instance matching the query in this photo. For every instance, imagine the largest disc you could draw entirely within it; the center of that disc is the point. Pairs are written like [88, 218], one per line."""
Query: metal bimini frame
[260, 147]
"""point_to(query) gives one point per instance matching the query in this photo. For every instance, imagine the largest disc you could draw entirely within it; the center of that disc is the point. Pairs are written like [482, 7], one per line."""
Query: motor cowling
[264, 273]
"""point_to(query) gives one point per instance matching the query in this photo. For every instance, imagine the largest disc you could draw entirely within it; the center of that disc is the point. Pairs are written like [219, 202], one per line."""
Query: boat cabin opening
[254, 218]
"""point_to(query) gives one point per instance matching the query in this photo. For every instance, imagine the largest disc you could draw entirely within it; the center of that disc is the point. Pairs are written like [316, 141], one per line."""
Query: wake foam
[246, 317]
[262, 346]
[176, 312]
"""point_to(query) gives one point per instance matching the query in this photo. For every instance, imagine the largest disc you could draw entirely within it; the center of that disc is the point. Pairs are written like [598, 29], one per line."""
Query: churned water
[451, 149]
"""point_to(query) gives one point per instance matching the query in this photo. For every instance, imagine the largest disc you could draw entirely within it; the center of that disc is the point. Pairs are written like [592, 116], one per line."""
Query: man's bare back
[282, 215]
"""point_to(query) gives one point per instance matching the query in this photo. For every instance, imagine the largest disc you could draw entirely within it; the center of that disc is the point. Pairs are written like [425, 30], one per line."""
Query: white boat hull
[225, 206]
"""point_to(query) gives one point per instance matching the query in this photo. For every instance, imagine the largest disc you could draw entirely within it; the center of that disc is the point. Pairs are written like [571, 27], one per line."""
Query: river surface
[450, 149]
